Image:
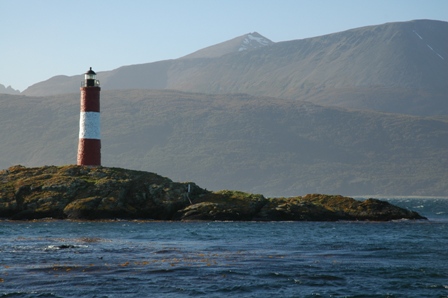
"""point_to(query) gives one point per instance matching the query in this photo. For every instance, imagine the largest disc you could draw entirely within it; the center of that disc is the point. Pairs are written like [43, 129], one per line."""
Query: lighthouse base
[89, 152]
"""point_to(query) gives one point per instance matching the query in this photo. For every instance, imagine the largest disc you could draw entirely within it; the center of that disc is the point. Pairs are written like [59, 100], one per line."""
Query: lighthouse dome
[90, 79]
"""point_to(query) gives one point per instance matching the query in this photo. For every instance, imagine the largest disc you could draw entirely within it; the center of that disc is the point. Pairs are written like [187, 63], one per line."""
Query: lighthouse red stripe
[90, 99]
[89, 152]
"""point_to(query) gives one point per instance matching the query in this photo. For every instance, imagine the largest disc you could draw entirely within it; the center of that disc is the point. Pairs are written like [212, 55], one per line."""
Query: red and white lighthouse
[89, 146]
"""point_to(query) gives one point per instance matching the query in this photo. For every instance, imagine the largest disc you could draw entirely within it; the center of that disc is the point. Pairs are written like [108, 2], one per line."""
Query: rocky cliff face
[78, 192]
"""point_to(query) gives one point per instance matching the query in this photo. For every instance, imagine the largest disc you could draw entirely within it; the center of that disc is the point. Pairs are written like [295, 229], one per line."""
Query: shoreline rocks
[98, 193]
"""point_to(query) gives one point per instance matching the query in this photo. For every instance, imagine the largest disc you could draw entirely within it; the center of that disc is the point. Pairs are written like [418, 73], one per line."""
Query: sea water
[50, 258]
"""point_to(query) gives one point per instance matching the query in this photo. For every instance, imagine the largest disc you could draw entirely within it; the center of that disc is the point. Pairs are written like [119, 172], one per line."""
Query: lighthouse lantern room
[90, 79]
[89, 145]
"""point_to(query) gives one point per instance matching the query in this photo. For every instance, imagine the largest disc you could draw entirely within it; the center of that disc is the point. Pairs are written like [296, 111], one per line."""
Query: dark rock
[224, 205]
[78, 192]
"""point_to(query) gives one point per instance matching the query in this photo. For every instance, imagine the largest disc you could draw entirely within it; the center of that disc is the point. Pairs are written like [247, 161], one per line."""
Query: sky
[42, 39]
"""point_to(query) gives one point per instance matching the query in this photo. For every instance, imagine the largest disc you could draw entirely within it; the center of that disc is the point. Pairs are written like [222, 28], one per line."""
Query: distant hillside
[394, 67]
[273, 146]
[8, 90]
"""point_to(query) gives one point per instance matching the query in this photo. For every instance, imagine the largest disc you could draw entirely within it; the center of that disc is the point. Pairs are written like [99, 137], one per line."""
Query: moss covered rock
[79, 192]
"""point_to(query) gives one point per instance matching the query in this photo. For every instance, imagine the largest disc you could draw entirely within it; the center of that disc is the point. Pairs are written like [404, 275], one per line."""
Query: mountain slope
[8, 90]
[245, 42]
[386, 68]
[394, 67]
[155, 75]
[263, 145]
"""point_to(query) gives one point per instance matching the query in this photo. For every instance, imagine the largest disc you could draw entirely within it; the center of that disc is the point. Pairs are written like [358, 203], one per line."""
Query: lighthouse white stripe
[89, 125]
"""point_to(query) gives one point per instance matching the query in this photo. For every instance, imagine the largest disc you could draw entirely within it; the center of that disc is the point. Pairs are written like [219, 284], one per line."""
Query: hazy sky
[44, 38]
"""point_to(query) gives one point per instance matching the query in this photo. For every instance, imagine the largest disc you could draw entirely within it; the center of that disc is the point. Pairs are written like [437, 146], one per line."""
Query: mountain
[278, 147]
[242, 43]
[8, 90]
[394, 67]
[149, 75]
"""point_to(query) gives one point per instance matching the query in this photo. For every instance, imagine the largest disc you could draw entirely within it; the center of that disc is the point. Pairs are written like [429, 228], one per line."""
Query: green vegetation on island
[94, 193]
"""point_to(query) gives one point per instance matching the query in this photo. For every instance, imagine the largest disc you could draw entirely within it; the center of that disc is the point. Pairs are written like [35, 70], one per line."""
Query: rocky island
[95, 193]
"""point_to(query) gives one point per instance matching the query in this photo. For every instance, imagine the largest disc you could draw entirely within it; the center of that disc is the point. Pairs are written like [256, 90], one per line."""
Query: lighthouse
[89, 145]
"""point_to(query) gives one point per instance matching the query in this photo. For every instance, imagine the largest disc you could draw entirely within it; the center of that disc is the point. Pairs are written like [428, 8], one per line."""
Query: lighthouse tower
[89, 146]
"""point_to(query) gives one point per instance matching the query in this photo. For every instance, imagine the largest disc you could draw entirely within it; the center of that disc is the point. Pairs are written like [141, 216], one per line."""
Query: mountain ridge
[8, 90]
[394, 67]
[244, 42]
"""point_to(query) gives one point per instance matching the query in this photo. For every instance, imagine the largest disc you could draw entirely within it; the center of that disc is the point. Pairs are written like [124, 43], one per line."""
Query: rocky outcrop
[8, 90]
[79, 192]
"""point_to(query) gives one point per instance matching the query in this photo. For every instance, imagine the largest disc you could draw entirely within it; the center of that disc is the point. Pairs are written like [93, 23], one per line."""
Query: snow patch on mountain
[417, 34]
[253, 41]
[435, 52]
[440, 56]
